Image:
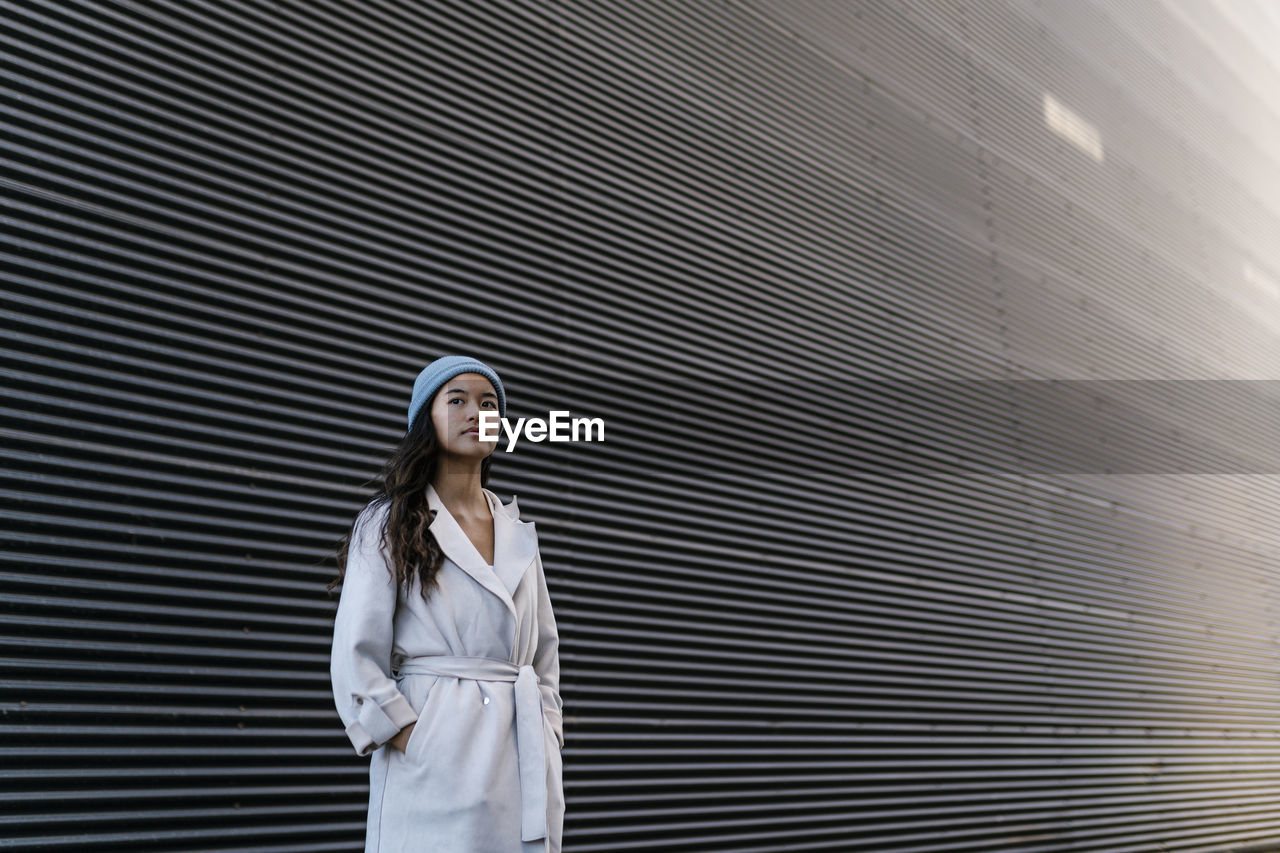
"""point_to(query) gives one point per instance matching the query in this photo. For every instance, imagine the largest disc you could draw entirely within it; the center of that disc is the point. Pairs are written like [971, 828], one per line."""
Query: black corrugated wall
[804, 603]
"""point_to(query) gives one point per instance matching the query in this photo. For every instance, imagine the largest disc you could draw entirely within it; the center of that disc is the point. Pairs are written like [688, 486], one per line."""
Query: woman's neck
[459, 487]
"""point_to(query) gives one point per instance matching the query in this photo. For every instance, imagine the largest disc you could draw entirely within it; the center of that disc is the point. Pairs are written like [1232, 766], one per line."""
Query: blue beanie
[441, 371]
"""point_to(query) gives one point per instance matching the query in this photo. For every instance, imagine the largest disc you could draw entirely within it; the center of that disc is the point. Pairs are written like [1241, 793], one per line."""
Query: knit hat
[441, 371]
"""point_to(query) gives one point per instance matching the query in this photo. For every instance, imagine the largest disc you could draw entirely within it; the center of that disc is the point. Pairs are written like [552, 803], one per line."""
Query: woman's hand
[401, 740]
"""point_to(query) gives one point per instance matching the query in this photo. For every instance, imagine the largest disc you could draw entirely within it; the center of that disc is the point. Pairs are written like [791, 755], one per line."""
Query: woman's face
[455, 412]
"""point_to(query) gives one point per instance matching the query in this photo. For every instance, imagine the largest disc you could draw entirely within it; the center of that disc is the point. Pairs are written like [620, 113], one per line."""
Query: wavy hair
[402, 486]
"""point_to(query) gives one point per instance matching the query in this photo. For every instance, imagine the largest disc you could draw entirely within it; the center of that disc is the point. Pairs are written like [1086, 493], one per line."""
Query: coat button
[486, 700]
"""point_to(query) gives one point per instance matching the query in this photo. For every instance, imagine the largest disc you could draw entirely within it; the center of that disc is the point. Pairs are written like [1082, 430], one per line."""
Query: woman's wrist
[401, 738]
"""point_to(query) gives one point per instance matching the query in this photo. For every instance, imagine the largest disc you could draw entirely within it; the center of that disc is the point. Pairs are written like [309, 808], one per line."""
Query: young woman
[445, 661]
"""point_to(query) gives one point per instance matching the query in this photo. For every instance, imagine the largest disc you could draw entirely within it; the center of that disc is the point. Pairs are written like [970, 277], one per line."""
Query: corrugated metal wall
[235, 230]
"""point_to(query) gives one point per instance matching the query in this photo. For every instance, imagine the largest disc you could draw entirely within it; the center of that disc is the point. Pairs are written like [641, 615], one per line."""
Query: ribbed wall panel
[800, 609]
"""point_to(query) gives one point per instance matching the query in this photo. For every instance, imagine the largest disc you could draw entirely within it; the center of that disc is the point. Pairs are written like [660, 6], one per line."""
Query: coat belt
[530, 737]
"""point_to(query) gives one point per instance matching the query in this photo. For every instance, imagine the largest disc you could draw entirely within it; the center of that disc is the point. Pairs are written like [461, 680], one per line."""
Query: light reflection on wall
[1072, 127]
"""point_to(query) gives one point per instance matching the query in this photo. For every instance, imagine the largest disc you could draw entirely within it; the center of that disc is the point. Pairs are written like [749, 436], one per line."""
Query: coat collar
[515, 545]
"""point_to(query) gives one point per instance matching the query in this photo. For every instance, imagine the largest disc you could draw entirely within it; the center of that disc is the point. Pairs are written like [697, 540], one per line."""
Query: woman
[445, 661]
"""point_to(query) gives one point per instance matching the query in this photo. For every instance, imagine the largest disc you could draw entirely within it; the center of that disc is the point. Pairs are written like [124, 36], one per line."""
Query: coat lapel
[515, 545]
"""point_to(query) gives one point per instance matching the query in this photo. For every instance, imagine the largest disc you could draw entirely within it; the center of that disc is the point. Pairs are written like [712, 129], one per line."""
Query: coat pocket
[555, 782]
[421, 707]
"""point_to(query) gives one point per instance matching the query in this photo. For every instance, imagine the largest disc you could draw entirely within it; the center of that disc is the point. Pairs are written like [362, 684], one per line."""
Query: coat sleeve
[546, 658]
[368, 699]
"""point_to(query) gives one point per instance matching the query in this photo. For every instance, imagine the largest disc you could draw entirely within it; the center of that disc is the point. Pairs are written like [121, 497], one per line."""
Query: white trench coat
[478, 667]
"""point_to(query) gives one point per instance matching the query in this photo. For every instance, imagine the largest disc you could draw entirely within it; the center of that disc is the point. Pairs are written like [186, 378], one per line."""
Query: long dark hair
[402, 485]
